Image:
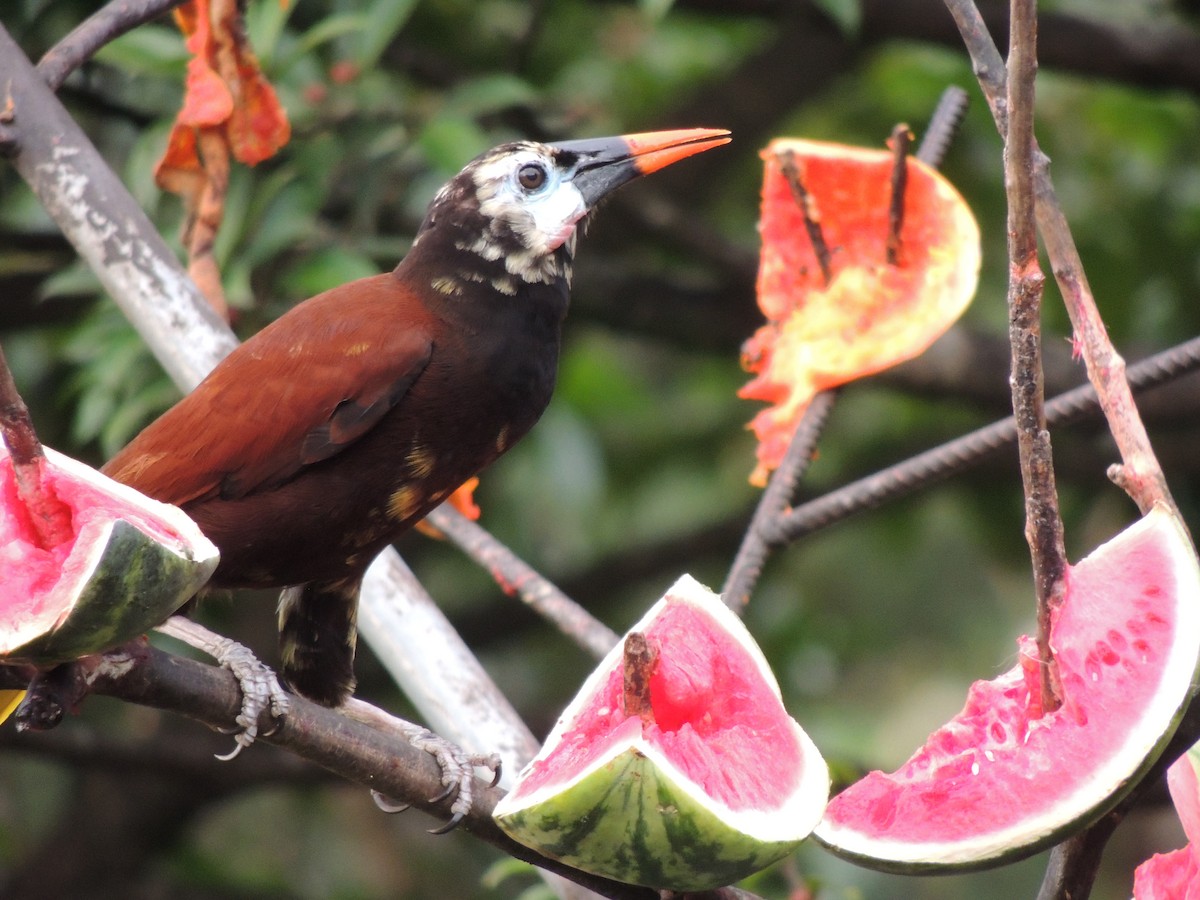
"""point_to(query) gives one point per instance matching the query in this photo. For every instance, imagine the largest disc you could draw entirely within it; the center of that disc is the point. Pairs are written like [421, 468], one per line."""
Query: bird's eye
[531, 176]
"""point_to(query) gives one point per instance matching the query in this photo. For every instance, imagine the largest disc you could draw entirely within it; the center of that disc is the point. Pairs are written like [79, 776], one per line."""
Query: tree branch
[1139, 473]
[354, 751]
[1073, 864]
[1043, 524]
[104, 25]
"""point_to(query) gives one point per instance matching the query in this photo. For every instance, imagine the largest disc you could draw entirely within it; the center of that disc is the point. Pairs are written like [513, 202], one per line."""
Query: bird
[340, 425]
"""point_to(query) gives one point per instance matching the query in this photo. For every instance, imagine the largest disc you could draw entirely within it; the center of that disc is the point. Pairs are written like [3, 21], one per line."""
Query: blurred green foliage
[637, 472]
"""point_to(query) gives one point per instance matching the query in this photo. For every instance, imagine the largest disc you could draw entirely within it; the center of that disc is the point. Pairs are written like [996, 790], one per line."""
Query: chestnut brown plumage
[340, 425]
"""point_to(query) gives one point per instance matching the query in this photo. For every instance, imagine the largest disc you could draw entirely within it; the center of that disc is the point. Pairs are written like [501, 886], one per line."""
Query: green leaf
[324, 269]
[656, 9]
[75, 280]
[383, 20]
[506, 869]
[135, 413]
[449, 141]
[149, 50]
[489, 94]
[321, 33]
[846, 14]
[264, 26]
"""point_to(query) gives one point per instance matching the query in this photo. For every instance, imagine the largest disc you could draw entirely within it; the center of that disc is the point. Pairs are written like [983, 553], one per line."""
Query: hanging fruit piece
[1004, 779]
[836, 308]
[1176, 875]
[126, 564]
[676, 766]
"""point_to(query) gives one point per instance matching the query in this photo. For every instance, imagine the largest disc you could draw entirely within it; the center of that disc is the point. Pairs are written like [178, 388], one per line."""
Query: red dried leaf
[206, 99]
[229, 108]
[870, 315]
[258, 125]
[225, 86]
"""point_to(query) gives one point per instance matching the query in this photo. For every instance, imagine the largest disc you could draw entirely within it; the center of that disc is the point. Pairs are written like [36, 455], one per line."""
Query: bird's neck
[468, 278]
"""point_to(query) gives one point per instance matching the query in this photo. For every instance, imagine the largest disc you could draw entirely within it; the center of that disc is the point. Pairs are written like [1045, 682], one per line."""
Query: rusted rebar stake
[899, 143]
[812, 216]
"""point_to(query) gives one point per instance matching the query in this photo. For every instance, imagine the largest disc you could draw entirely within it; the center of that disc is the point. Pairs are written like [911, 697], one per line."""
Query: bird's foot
[458, 776]
[261, 689]
[458, 766]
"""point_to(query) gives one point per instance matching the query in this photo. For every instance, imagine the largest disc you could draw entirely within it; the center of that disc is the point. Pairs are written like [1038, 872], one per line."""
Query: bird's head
[517, 206]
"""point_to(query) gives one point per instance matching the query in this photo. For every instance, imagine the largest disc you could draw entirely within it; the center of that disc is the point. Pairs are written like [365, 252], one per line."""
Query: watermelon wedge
[1176, 875]
[128, 564]
[1002, 779]
[711, 781]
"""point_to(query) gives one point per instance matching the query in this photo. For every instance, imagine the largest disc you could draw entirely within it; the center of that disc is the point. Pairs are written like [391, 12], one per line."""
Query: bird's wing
[300, 391]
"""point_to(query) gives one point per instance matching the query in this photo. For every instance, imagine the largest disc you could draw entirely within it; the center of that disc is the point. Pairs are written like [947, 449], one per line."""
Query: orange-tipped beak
[654, 150]
[604, 164]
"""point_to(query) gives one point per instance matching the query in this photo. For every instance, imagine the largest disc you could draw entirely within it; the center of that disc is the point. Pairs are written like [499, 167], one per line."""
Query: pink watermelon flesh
[712, 713]
[29, 572]
[1168, 876]
[1002, 757]
[1185, 794]
[1175, 875]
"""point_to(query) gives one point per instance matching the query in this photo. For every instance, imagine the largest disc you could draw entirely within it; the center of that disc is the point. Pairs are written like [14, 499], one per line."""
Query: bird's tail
[318, 630]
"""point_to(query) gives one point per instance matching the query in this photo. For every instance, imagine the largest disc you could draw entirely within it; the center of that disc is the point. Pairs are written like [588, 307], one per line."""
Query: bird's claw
[458, 766]
[449, 826]
[458, 777]
[458, 774]
[387, 804]
[261, 689]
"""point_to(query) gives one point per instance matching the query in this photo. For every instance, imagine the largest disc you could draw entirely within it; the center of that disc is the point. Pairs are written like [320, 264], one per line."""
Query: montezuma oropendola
[344, 422]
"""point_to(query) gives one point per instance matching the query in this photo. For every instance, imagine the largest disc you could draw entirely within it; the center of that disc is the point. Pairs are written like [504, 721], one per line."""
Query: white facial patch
[543, 219]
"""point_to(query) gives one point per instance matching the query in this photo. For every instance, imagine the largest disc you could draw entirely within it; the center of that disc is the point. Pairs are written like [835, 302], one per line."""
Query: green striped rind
[634, 817]
[118, 581]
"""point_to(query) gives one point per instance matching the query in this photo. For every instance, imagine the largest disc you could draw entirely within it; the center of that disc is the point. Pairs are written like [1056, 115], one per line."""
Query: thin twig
[516, 576]
[1073, 864]
[941, 462]
[1139, 474]
[15, 424]
[49, 516]
[1043, 523]
[638, 661]
[106, 24]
